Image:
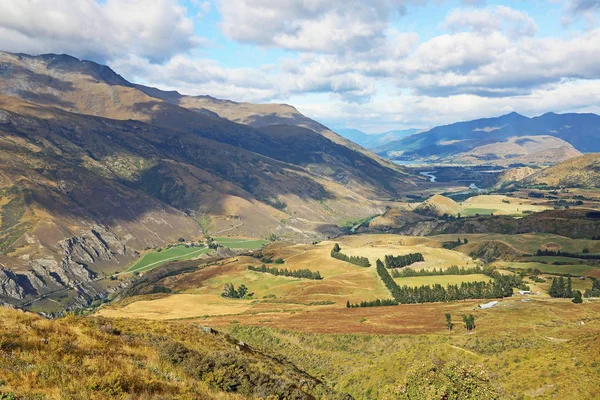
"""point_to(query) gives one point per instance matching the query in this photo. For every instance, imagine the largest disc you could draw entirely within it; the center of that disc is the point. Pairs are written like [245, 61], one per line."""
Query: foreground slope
[95, 358]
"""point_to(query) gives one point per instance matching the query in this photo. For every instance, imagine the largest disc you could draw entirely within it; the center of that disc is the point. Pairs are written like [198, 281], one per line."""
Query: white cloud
[328, 26]
[156, 29]
[426, 112]
[492, 19]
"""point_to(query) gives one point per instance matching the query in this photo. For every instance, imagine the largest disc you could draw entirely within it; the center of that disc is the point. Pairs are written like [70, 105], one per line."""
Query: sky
[373, 65]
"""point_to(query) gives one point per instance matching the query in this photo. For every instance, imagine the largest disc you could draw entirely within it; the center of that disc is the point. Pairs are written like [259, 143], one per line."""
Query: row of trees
[501, 286]
[453, 270]
[561, 288]
[296, 273]
[360, 261]
[403, 261]
[230, 292]
[374, 303]
[583, 256]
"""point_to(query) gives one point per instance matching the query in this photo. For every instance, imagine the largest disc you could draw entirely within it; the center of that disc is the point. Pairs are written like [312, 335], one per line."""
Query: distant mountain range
[371, 141]
[511, 138]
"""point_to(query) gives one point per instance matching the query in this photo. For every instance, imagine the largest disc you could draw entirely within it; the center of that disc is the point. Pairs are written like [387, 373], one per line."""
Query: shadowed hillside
[94, 170]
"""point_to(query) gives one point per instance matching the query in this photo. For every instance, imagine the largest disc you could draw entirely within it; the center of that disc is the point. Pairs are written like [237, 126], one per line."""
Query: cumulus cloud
[156, 29]
[305, 75]
[329, 26]
[426, 111]
[499, 18]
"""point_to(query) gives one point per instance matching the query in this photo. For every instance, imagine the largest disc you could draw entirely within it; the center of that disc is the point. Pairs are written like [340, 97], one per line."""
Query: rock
[9, 286]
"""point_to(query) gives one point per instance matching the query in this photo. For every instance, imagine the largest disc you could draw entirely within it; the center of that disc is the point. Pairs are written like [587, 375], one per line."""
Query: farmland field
[154, 258]
[306, 321]
[528, 243]
[236, 243]
[199, 292]
[443, 280]
[498, 205]
[575, 270]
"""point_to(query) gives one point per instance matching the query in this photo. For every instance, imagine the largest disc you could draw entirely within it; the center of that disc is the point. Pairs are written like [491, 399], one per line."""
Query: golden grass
[73, 358]
[443, 280]
[496, 204]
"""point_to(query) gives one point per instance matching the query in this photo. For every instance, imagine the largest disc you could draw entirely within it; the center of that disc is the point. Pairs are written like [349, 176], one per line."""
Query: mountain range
[94, 168]
[371, 141]
[505, 140]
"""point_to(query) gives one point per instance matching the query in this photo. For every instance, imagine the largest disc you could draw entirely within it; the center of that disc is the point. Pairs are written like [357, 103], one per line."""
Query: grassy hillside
[96, 358]
[438, 205]
[582, 171]
[518, 350]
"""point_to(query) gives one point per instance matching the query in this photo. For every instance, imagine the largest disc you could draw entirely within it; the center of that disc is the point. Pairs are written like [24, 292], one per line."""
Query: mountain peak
[70, 64]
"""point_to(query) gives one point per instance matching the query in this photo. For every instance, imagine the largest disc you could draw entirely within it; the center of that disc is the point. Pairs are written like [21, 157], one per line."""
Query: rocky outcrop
[68, 271]
[9, 286]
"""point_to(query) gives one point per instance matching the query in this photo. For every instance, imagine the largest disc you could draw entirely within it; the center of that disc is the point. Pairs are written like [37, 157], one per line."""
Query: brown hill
[438, 205]
[582, 171]
[538, 150]
[514, 175]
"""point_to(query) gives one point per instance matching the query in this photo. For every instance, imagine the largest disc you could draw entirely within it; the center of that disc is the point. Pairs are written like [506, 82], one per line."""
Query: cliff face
[70, 270]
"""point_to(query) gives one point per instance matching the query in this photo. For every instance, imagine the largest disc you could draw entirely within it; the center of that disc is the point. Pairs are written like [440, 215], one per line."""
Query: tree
[229, 291]
[347, 303]
[469, 322]
[242, 291]
[466, 241]
[336, 248]
[449, 323]
[577, 297]
[553, 291]
[569, 291]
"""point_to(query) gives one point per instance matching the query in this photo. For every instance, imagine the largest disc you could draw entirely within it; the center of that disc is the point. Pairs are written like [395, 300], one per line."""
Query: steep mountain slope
[582, 171]
[88, 88]
[371, 141]
[257, 116]
[496, 139]
[93, 169]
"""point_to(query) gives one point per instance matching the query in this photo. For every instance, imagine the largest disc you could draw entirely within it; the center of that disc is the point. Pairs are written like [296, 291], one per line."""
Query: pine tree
[562, 288]
[553, 291]
[347, 303]
[569, 292]
[577, 297]
[336, 248]
[242, 291]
